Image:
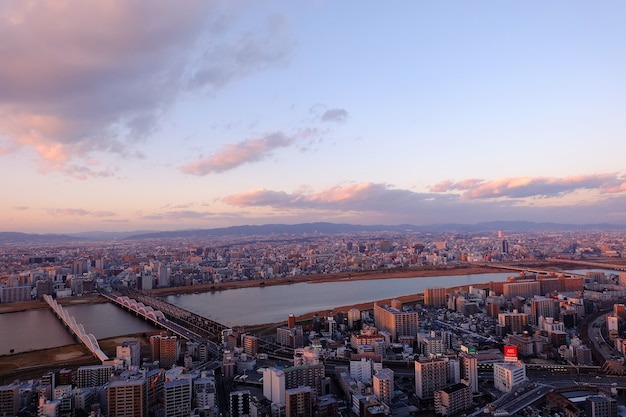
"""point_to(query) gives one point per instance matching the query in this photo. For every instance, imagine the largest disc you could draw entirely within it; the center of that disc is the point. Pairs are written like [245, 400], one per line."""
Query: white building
[506, 375]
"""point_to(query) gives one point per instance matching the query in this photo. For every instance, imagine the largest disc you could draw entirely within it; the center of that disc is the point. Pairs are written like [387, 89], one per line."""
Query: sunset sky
[168, 115]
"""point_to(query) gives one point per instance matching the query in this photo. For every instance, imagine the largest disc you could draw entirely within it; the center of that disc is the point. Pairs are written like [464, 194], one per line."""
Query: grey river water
[258, 305]
[40, 329]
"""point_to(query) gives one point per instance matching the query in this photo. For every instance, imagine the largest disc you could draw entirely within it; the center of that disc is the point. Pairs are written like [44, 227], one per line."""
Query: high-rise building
[93, 375]
[250, 345]
[274, 385]
[453, 399]
[507, 375]
[396, 322]
[239, 403]
[299, 402]
[127, 398]
[382, 383]
[130, 352]
[544, 307]
[164, 349]
[599, 406]
[204, 391]
[513, 323]
[291, 321]
[9, 399]
[524, 289]
[177, 398]
[435, 297]
[469, 370]
[430, 376]
[354, 319]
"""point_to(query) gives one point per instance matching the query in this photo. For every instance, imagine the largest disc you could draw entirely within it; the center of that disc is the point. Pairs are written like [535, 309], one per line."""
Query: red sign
[510, 353]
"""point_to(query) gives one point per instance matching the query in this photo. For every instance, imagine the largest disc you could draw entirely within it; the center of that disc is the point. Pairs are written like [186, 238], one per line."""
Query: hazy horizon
[168, 116]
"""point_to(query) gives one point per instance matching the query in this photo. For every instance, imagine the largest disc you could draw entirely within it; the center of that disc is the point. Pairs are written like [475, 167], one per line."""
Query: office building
[435, 297]
[395, 321]
[177, 398]
[507, 375]
[430, 376]
[127, 398]
[599, 406]
[299, 402]
[453, 399]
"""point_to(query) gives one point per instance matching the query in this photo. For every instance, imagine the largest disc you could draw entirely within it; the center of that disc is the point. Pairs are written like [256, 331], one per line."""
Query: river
[40, 329]
[271, 304]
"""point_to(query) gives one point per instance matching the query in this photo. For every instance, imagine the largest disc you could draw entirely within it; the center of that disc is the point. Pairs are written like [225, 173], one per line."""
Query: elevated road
[176, 320]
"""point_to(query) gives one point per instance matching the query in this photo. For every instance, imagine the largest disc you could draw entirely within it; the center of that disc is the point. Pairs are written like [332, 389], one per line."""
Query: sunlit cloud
[234, 155]
[526, 187]
[20, 208]
[79, 78]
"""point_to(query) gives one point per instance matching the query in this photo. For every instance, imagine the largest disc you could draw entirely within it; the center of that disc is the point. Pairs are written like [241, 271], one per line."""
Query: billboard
[510, 353]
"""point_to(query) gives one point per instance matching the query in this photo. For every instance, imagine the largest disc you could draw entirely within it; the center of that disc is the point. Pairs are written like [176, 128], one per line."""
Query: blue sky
[163, 115]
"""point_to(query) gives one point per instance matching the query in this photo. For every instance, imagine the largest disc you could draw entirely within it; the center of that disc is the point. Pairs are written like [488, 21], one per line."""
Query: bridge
[539, 272]
[180, 322]
[77, 329]
[599, 265]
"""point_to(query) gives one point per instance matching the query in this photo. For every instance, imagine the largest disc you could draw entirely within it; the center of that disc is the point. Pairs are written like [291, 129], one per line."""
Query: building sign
[510, 353]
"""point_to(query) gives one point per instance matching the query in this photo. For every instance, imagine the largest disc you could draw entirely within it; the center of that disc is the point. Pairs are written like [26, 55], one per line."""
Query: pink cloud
[83, 77]
[234, 155]
[523, 187]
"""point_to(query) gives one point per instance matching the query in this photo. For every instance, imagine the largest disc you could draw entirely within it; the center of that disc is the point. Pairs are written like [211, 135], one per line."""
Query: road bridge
[208, 328]
[539, 272]
[77, 329]
[177, 323]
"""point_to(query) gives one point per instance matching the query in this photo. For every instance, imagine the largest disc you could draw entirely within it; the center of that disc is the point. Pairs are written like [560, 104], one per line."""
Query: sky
[120, 115]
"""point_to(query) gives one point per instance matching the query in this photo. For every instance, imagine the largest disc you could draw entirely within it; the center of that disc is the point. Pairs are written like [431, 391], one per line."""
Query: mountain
[338, 228]
[322, 228]
[16, 237]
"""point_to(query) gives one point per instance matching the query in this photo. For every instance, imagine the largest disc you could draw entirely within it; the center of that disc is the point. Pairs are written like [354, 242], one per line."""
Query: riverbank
[420, 272]
[33, 364]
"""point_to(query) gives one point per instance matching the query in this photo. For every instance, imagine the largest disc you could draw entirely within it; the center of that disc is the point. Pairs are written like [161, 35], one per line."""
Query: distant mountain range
[303, 229]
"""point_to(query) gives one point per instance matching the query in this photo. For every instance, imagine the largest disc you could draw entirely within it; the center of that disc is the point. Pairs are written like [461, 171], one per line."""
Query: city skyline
[120, 116]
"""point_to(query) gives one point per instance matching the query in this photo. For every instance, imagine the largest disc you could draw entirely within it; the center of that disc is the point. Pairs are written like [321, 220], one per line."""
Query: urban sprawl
[544, 342]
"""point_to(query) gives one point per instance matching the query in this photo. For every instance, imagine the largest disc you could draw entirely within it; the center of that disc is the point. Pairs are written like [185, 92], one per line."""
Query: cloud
[234, 155]
[75, 212]
[539, 187]
[379, 202]
[354, 197]
[335, 115]
[21, 208]
[79, 78]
